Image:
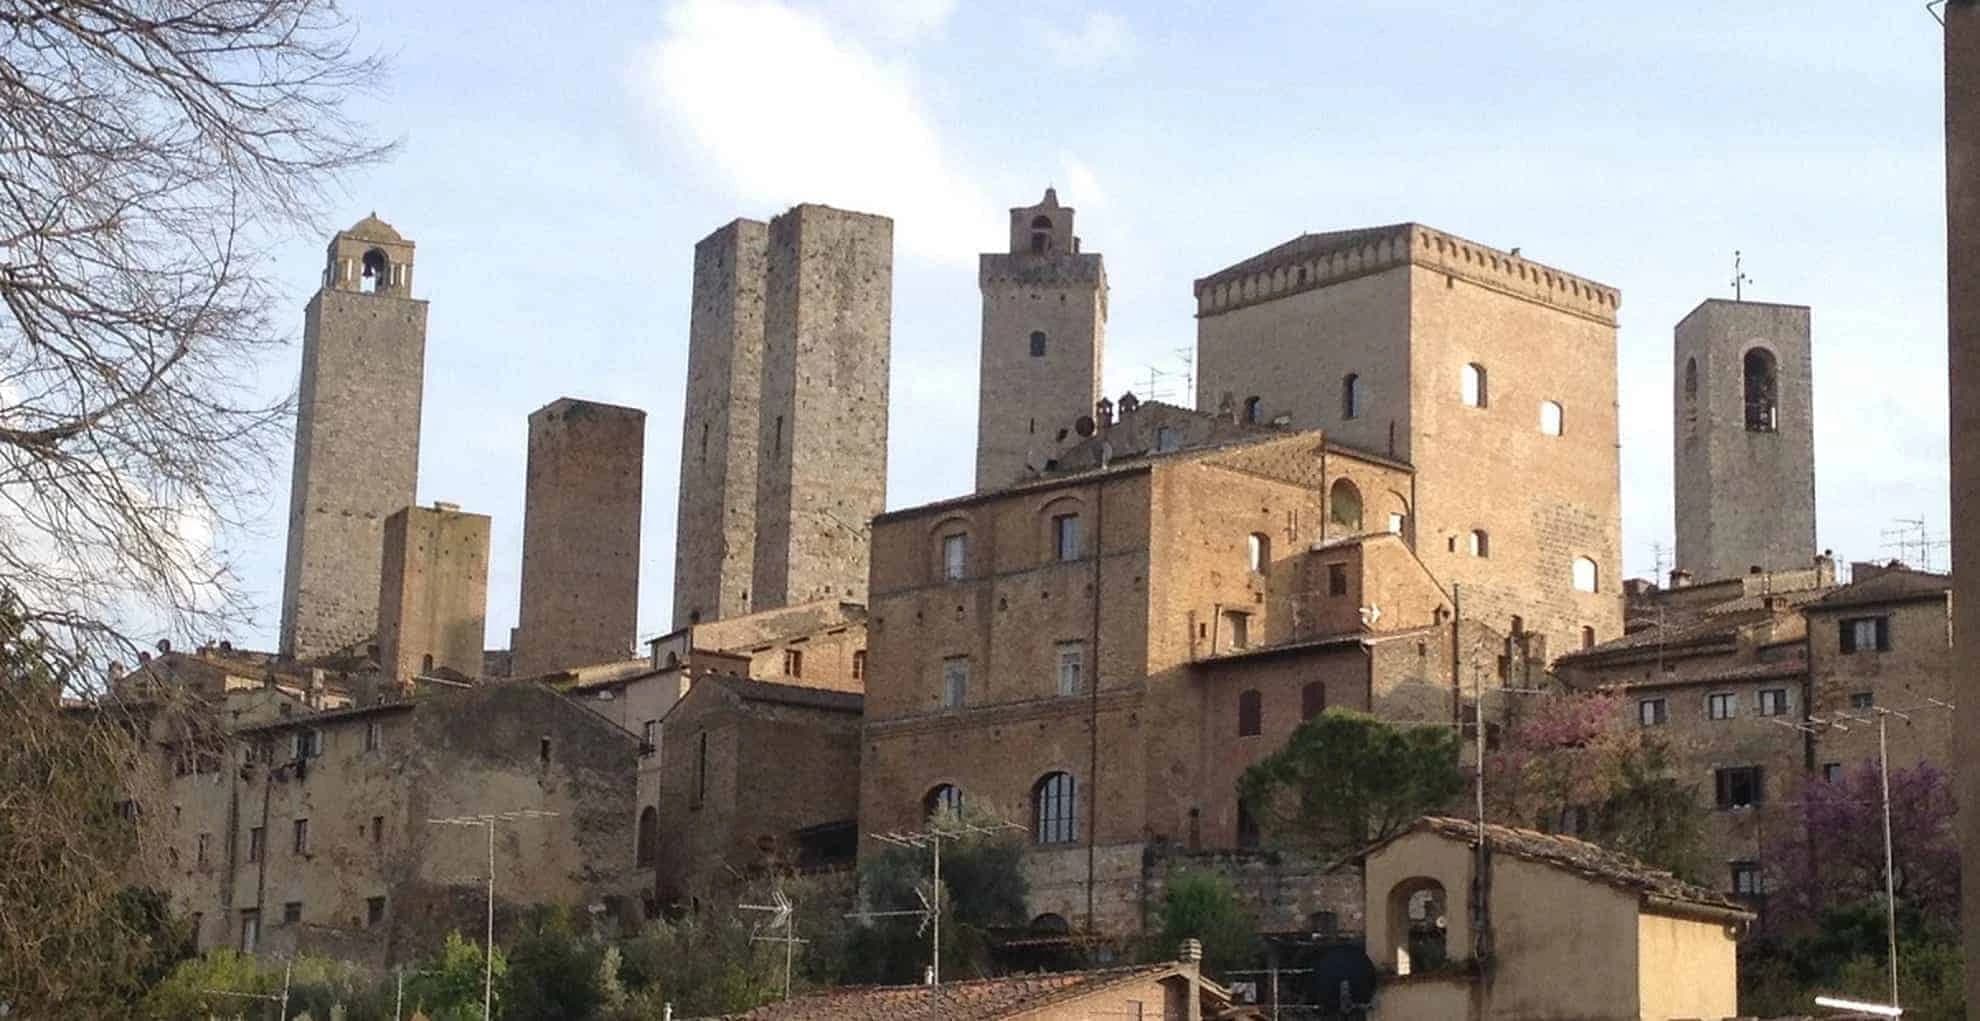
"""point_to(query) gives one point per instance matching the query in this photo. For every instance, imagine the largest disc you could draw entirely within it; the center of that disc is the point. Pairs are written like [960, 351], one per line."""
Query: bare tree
[149, 152]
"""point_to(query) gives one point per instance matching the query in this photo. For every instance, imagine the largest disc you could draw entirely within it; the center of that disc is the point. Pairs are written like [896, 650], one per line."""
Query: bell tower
[1044, 328]
[357, 437]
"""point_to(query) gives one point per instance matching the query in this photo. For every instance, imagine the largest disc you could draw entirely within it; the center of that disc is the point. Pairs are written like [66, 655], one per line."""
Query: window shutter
[1720, 779]
[1883, 634]
[1848, 636]
[1759, 785]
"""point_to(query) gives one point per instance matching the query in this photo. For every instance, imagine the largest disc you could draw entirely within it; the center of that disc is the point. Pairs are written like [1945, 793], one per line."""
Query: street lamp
[489, 820]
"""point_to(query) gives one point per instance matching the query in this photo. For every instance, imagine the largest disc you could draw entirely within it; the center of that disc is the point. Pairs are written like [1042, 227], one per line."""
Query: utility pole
[783, 915]
[488, 821]
[930, 912]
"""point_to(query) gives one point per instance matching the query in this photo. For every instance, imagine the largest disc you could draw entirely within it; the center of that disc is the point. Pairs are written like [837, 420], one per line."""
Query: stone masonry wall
[433, 596]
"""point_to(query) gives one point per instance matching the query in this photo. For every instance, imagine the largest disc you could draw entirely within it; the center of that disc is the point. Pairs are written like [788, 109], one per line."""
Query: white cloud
[1103, 38]
[1082, 185]
[781, 109]
[894, 21]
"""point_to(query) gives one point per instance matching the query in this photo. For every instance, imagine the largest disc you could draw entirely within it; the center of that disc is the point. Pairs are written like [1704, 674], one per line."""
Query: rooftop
[1590, 861]
[973, 1000]
[1895, 585]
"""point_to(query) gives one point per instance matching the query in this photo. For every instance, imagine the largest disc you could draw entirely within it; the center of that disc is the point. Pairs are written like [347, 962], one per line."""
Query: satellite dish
[1084, 426]
[1343, 980]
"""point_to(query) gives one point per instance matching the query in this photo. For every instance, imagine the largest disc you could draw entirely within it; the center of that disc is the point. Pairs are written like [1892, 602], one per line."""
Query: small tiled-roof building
[1175, 990]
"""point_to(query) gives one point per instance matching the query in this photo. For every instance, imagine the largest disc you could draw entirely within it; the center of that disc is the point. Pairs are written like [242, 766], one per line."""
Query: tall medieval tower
[1745, 439]
[357, 437]
[1044, 327]
[784, 439]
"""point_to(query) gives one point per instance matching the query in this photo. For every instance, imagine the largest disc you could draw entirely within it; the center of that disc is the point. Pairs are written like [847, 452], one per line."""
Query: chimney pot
[1192, 952]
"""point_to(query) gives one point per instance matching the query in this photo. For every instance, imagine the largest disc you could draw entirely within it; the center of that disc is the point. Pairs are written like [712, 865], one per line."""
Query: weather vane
[1740, 279]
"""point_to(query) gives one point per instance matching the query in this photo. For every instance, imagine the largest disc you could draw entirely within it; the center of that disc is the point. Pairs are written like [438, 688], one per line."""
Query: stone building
[1745, 428]
[818, 645]
[1175, 991]
[1044, 328]
[580, 564]
[1097, 654]
[784, 438]
[1493, 376]
[433, 593]
[1884, 641]
[301, 831]
[357, 437]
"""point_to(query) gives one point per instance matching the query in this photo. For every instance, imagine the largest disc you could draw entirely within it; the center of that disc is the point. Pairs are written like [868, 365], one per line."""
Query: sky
[558, 163]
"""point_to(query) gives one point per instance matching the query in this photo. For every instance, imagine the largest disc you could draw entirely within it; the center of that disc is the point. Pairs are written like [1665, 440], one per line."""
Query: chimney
[1191, 951]
[1680, 578]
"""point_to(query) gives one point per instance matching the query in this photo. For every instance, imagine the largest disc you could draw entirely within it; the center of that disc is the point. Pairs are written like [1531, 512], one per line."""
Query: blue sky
[559, 163]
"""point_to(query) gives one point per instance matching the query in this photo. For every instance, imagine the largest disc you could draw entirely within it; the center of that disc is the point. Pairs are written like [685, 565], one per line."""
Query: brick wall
[433, 595]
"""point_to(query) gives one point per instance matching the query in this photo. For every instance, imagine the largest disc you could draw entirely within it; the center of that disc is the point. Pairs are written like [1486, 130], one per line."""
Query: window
[256, 837]
[700, 770]
[377, 829]
[1165, 439]
[1862, 700]
[1480, 544]
[955, 682]
[1240, 627]
[1253, 415]
[376, 271]
[1038, 343]
[1065, 536]
[1722, 705]
[1587, 637]
[292, 912]
[543, 750]
[1351, 396]
[1652, 712]
[955, 556]
[1690, 384]
[374, 734]
[1773, 701]
[945, 797]
[1251, 710]
[1041, 234]
[1586, 575]
[1337, 580]
[1762, 391]
[777, 441]
[1471, 386]
[1344, 505]
[199, 855]
[1072, 667]
[1312, 700]
[646, 847]
[1397, 519]
[1550, 418]
[793, 662]
[374, 910]
[859, 664]
[250, 930]
[649, 733]
[1738, 786]
[1832, 772]
[1866, 634]
[308, 744]
[301, 828]
[1053, 809]
[1416, 910]
[1748, 881]
[1260, 547]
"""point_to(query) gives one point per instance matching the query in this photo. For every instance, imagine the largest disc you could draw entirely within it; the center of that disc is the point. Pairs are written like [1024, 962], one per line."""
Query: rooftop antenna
[1909, 536]
[943, 826]
[783, 918]
[1740, 279]
[1188, 357]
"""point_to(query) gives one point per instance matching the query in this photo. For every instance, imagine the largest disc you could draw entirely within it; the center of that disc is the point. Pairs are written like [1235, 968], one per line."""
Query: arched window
[1344, 505]
[1481, 543]
[1417, 924]
[1762, 391]
[942, 798]
[1587, 576]
[1587, 637]
[1041, 234]
[1550, 418]
[647, 851]
[377, 269]
[1691, 379]
[1472, 386]
[1312, 700]
[1251, 712]
[1351, 395]
[1261, 552]
[1053, 809]
[1038, 343]
[1252, 414]
[1051, 924]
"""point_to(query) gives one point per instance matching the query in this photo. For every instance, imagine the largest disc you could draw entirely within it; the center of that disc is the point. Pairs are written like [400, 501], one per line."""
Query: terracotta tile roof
[1590, 861]
[753, 690]
[977, 1000]
[1891, 586]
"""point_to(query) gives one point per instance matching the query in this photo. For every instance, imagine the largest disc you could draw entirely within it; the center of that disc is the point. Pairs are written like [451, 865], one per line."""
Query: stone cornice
[1004, 714]
[1322, 260]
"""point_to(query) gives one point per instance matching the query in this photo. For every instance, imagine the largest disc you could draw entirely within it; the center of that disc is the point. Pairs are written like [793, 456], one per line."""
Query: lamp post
[488, 820]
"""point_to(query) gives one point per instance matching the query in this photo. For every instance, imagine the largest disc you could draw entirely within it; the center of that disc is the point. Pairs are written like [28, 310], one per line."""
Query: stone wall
[433, 593]
[580, 570]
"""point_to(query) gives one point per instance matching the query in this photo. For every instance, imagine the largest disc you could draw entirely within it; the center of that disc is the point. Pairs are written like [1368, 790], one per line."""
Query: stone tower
[821, 452]
[1745, 439]
[1044, 325]
[581, 506]
[715, 537]
[433, 595]
[357, 437]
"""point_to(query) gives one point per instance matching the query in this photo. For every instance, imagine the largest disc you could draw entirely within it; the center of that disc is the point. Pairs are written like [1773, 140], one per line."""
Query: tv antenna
[944, 826]
[783, 918]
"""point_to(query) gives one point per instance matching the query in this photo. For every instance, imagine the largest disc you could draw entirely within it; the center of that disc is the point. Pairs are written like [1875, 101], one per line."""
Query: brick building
[1493, 376]
[433, 594]
[357, 437]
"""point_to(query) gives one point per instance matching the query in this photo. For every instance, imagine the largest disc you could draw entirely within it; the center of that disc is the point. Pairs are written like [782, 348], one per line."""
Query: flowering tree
[1835, 857]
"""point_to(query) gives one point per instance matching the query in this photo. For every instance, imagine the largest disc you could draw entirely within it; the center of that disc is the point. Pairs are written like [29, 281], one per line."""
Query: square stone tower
[1745, 439]
[357, 437]
[433, 596]
[581, 506]
[821, 449]
[715, 534]
[1493, 376]
[1044, 327]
